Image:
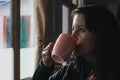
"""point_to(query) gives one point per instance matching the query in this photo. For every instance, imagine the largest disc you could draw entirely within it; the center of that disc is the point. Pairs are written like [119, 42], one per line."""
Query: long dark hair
[102, 23]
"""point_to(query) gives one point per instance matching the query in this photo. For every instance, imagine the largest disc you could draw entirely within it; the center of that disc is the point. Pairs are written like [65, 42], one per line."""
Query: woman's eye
[81, 30]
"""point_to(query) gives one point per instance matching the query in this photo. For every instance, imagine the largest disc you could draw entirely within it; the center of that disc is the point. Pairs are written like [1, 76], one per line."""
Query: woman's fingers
[46, 55]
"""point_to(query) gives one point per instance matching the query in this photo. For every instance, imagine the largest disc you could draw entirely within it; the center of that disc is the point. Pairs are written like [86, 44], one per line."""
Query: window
[6, 52]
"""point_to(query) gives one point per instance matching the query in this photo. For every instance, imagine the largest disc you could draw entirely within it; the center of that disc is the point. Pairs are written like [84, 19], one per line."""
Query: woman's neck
[90, 60]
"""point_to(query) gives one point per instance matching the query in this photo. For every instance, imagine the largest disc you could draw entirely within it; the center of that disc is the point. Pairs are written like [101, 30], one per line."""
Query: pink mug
[63, 47]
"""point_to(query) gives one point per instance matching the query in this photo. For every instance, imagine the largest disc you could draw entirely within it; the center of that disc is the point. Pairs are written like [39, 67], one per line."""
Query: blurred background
[27, 26]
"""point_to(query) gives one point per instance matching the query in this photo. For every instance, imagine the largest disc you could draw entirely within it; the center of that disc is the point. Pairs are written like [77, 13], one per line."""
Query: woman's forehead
[78, 20]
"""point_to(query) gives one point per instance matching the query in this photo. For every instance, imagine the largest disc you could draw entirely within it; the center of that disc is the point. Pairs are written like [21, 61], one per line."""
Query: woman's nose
[74, 35]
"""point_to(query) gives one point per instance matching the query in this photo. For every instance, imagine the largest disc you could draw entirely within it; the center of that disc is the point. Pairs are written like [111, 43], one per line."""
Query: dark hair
[101, 22]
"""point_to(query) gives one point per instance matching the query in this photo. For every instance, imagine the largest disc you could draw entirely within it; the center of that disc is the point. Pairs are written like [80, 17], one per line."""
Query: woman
[96, 54]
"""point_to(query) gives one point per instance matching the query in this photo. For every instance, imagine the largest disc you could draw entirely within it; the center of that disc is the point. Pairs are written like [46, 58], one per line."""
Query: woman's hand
[46, 55]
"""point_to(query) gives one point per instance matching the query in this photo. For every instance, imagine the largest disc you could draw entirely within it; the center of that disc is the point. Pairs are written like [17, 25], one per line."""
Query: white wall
[6, 64]
[27, 60]
[64, 19]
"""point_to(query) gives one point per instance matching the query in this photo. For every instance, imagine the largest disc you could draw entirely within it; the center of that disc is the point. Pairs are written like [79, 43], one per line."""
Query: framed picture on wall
[24, 32]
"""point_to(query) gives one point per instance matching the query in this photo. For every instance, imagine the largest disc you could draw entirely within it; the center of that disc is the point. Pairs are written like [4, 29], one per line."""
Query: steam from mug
[63, 47]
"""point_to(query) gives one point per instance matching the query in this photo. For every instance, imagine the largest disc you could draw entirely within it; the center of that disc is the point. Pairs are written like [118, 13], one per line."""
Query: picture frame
[24, 32]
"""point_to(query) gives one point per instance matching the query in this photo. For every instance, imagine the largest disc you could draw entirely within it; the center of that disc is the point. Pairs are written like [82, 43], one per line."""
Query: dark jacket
[67, 72]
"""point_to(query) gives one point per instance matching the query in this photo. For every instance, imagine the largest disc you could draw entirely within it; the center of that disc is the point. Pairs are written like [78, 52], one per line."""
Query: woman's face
[84, 38]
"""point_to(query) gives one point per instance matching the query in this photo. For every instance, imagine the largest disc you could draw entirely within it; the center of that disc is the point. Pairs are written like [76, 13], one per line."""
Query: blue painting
[24, 32]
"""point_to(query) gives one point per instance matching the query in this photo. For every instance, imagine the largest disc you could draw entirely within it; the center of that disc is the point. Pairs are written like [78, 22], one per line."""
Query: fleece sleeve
[42, 72]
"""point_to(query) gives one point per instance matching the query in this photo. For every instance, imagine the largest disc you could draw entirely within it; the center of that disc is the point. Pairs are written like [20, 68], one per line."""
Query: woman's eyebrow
[78, 26]
[81, 26]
